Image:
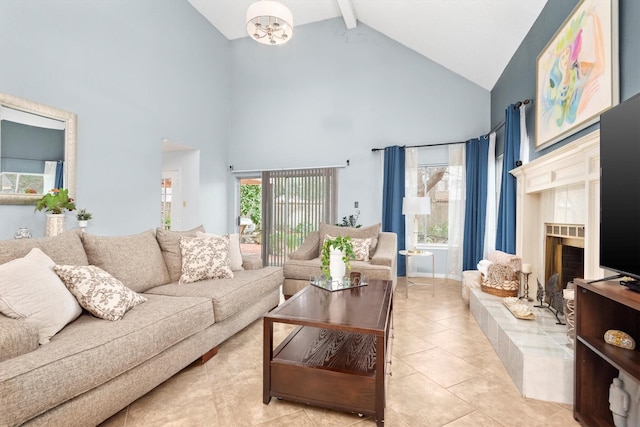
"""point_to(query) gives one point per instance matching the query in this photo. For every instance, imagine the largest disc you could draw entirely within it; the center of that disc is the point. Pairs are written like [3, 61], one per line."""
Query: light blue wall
[518, 81]
[333, 94]
[139, 72]
[135, 72]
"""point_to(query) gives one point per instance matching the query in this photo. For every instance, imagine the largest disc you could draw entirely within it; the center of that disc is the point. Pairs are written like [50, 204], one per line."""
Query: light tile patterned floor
[445, 373]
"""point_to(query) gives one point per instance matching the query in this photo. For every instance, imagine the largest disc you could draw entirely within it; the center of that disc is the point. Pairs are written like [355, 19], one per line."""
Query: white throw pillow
[29, 289]
[205, 259]
[235, 255]
[97, 291]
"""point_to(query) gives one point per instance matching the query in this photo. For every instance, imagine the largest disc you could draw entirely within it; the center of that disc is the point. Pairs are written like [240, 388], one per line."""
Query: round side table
[409, 254]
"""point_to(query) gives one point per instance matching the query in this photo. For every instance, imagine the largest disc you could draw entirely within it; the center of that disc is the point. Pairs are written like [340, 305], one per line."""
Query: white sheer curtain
[524, 137]
[456, 210]
[491, 219]
[410, 190]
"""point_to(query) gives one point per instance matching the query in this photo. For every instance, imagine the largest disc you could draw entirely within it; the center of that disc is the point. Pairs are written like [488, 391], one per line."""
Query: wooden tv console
[599, 307]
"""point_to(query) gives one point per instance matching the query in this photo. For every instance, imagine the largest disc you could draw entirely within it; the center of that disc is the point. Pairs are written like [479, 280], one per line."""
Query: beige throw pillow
[235, 255]
[205, 259]
[98, 292]
[29, 289]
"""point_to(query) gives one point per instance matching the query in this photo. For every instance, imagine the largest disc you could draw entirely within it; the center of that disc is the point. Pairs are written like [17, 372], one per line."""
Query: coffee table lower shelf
[328, 368]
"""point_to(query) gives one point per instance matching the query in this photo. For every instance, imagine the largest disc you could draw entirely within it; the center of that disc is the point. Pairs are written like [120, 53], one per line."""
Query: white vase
[337, 267]
[54, 225]
[82, 223]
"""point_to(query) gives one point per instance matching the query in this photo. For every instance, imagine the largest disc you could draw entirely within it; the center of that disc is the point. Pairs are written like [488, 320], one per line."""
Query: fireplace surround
[561, 188]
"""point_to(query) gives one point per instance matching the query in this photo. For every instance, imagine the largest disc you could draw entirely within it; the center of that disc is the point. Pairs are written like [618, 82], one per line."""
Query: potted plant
[337, 252]
[55, 203]
[83, 218]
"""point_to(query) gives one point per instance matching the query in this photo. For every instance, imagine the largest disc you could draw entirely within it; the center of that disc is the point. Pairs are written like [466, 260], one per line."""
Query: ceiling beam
[348, 13]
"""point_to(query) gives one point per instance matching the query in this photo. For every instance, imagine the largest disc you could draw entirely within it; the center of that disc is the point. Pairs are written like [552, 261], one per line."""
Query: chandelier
[269, 22]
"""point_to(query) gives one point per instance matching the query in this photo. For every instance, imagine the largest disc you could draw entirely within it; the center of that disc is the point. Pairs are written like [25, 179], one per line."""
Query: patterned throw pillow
[97, 291]
[361, 248]
[235, 254]
[205, 258]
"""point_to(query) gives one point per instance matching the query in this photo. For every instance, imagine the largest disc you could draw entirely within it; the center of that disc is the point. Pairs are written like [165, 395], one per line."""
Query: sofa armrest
[387, 250]
[308, 249]
[17, 337]
[251, 262]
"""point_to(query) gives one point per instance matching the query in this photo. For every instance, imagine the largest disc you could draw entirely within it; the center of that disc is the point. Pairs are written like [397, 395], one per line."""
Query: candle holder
[525, 287]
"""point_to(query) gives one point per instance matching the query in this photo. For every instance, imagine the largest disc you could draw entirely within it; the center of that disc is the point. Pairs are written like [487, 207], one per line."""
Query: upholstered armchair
[305, 261]
[501, 274]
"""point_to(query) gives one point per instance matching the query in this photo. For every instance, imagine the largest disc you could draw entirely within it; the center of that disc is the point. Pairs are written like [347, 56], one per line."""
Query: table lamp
[416, 206]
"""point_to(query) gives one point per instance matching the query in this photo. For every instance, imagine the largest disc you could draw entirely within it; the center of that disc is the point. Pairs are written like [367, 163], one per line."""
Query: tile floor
[445, 373]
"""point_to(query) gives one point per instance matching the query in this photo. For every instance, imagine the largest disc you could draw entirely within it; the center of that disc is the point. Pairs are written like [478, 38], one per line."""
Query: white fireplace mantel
[577, 166]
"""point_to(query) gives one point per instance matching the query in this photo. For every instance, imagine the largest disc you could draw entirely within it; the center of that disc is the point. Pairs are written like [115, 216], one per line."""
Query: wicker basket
[499, 292]
[502, 281]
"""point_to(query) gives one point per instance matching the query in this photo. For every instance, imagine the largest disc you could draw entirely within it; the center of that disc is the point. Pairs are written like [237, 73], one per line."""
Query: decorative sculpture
[552, 297]
[618, 403]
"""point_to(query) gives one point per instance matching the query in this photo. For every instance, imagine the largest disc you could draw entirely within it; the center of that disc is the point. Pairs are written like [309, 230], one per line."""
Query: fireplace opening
[564, 252]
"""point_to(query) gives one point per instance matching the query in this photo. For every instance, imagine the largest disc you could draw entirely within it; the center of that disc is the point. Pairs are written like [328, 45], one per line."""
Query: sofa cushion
[17, 336]
[228, 296]
[65, 248]
[90, 352]
[235, 255]
[205, 258]
[134, 260]
[359, 233]
[170, 245]
[97, 291]
[29, 289]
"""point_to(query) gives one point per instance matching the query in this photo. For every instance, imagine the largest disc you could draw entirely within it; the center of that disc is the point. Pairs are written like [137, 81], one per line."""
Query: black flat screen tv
[620, 188]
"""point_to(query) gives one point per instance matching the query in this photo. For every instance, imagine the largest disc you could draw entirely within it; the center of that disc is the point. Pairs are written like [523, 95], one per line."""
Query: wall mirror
[37, 150]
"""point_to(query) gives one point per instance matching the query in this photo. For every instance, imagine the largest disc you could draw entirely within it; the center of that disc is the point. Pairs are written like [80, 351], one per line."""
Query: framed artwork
[577, 72]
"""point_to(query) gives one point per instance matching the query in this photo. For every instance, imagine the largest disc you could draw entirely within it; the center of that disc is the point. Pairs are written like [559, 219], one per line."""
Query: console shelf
[600, 307]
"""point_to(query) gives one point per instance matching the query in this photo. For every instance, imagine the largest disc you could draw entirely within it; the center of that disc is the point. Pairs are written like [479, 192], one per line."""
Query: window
[22, 183]
[294, 203]
[433, 182]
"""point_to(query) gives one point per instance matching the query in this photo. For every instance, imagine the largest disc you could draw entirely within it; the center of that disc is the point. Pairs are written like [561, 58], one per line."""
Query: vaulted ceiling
[473, 38]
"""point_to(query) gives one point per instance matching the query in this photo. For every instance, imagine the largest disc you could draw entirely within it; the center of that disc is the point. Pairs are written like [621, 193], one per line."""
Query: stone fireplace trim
[575, 163]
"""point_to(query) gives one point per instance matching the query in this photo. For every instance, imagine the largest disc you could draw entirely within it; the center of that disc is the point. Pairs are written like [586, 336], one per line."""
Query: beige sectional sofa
[93, 368]
[305, 261]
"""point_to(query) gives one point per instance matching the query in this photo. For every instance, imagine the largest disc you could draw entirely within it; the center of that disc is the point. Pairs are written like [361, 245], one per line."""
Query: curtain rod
[287, 169]
[494, 129]
[502, 123]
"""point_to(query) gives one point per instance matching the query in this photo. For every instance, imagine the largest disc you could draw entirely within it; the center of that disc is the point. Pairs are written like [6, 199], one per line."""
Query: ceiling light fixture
[269, 22]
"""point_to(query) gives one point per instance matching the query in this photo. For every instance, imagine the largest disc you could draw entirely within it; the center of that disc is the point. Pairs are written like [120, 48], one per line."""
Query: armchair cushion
[309, 249]
[360, 233]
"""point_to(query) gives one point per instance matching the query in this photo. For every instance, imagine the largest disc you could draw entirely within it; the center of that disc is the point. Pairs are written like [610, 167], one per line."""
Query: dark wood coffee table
[332, 359]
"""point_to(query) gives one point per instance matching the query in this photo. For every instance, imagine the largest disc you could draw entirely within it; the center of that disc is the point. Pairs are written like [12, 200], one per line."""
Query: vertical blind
[295, 202]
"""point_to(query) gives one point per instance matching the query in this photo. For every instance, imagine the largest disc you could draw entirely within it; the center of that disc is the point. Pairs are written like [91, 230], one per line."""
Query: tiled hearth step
[535, 352]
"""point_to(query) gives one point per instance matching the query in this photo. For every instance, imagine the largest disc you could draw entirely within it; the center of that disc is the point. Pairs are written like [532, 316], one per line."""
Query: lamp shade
[416, 206]
[269, 22]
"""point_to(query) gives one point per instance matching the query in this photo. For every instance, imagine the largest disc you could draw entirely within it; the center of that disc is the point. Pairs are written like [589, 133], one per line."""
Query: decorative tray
[511, 307]
[334, 285]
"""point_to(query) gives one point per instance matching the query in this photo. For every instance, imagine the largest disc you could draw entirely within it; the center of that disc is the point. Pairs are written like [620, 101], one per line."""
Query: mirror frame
[70, 120]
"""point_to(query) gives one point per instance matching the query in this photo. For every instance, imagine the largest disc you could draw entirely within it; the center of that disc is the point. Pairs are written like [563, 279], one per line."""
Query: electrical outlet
[355, 205]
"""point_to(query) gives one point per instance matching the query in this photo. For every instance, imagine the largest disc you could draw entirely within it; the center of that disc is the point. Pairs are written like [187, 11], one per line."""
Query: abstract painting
[577, 72]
